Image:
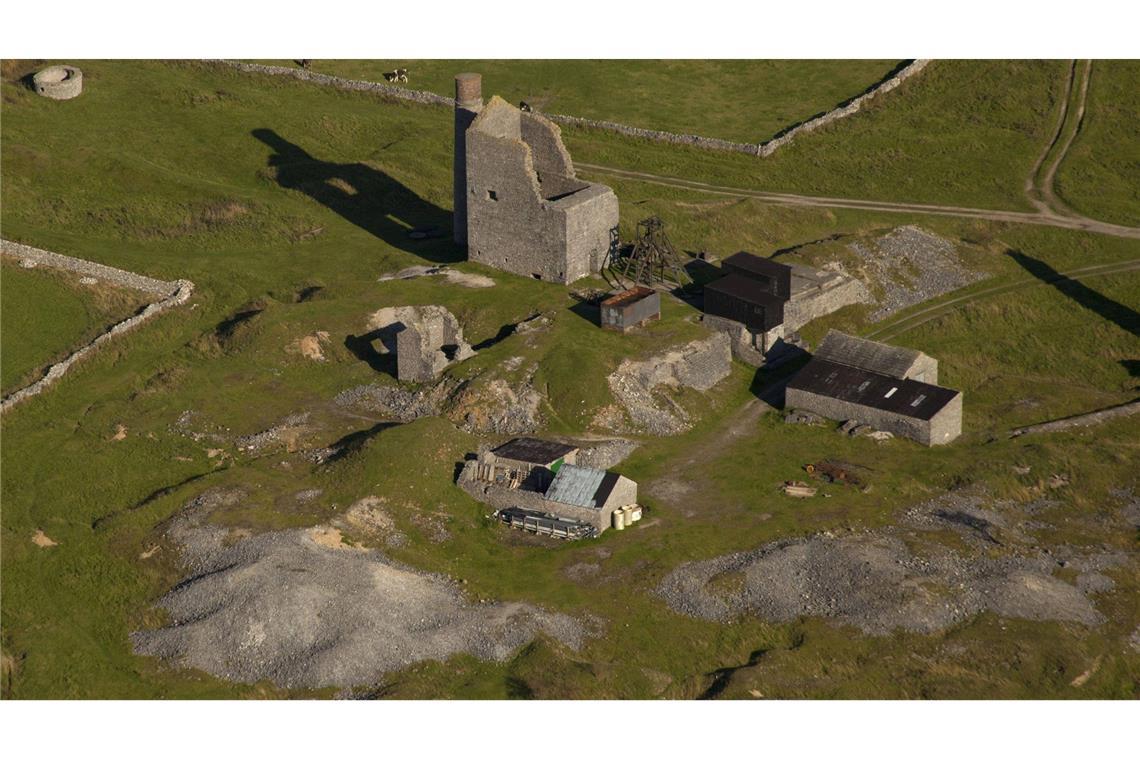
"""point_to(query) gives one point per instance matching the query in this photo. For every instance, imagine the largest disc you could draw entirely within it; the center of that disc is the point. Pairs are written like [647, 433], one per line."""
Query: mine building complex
[887, 387]
[519, 206]
[537, 485]
[761, 303]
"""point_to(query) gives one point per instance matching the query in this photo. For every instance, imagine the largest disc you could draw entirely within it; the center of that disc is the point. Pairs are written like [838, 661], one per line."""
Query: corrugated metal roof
[533, 450]
[909, 398]
[578, 486]
[885, 359]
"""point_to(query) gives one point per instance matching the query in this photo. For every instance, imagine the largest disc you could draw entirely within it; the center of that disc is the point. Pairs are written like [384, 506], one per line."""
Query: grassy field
[46, 315]
[168, 170]
[1100, 176]
[961, 132]
[745, 101]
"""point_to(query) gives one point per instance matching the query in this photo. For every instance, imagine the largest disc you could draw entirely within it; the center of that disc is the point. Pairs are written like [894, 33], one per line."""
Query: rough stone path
[922, 316]
[1046, 219]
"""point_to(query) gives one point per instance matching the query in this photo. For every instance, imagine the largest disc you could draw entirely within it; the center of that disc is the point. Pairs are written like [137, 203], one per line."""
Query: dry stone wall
[763, 149]
[173, 294]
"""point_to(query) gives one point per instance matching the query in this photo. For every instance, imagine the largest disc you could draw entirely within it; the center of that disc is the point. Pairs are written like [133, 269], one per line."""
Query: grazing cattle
[399, 75]
[305, 63]
[524, 106]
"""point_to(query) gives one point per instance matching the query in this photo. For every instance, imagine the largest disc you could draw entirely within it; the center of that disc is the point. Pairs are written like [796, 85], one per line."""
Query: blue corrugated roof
[576, 485]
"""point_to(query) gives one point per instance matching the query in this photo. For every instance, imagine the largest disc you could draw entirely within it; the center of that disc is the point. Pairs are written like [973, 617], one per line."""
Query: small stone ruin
[58, 82]
[425, 339]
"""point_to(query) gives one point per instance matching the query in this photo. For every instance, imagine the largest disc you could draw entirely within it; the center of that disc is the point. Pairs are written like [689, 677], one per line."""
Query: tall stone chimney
[468, 103]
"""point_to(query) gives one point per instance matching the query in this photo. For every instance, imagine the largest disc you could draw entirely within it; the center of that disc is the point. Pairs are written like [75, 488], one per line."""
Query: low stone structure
[58, 82]
[173, 294]
[559, 487]
[425, 339]
[879, 385]
[526, 211]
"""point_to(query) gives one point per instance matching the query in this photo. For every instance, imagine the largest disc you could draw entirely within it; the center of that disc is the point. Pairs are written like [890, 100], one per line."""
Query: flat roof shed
[744, 300]
[533, 450]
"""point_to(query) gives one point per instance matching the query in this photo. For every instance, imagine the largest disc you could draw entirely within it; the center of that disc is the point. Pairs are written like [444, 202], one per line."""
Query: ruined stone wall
[507, 224]
[743, 339]
[31, 257]
[511, 223]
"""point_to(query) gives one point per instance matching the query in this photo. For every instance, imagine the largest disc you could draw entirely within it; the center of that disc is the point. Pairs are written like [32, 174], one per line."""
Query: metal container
[618, 520]
[635, 512]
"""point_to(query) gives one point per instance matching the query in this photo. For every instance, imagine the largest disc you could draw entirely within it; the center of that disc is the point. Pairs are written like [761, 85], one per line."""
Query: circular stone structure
[58, 82]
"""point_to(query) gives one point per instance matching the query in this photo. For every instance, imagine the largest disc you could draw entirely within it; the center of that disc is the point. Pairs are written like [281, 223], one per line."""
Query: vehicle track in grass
[1039, 188]
[924, 315]
[1043, 218]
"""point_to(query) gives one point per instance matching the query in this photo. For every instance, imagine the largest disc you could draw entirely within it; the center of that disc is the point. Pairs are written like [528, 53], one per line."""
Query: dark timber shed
[776, 278]
[744, 300]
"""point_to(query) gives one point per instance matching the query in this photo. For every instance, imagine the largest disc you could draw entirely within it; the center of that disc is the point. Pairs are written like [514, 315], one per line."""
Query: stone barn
[884, 386]
[524, 208]
[885, 359]
[589, 495]
[526, 462]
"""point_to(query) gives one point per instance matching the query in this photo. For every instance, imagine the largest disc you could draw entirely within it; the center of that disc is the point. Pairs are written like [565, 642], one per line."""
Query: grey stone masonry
[468, 104]
[58, 82]
[174, 294]
[527, 212]
[32, 257]
[940, 429]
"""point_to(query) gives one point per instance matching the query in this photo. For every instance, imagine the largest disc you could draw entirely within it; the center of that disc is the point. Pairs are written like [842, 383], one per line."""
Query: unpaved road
[1043, 218]
[922, 316]
[1040, 189]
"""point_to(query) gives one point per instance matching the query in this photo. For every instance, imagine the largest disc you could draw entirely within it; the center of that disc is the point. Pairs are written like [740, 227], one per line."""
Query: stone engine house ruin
[519, 206]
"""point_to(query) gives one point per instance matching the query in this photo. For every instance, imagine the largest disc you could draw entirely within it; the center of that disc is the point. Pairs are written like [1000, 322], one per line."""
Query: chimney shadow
[1122, 316]
[367, 197]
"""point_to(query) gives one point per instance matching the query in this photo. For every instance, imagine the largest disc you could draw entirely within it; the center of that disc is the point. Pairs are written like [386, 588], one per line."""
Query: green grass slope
[45, 315]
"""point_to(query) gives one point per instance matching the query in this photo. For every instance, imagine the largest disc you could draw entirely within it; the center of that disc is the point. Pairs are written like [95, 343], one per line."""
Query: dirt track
[1041, 194]
[1047, 219]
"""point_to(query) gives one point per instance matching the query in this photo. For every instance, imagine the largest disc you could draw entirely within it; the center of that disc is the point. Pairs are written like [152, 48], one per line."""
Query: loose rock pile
[878, 582]
[913, 265]
[304, 611]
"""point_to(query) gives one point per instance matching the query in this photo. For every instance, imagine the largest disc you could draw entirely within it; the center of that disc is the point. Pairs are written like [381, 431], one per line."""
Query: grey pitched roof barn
[854, 385]
[893, 361]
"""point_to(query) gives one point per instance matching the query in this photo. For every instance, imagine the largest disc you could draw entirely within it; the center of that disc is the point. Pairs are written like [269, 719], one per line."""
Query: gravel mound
[877, 581]
[303, 611]
[913, 265]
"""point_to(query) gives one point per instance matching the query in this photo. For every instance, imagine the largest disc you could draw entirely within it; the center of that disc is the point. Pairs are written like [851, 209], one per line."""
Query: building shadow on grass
[1122, 316]
[367, 197]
